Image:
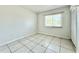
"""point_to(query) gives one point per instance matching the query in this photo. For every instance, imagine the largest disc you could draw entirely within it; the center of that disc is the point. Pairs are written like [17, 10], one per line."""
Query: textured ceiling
[41, 8]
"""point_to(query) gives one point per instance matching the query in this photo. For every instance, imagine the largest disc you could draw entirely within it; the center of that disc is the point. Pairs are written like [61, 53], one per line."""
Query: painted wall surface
[78, 29]
[63, 32]
[16, 22]
[74, 25]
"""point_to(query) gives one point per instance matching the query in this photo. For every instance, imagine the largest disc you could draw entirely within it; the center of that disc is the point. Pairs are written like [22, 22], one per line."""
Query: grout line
[48, 45]
[9, 48]
[25, 46]
[16, 50]
[60, 47]
[36, 45]
[28, 47]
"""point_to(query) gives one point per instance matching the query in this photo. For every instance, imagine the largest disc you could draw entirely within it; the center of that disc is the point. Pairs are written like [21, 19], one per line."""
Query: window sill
[54, 26]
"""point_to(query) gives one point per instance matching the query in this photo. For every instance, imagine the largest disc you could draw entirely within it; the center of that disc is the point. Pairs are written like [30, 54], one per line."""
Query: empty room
[39, 29]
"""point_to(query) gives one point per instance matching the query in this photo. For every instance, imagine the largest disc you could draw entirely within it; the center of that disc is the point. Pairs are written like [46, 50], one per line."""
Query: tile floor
[39, 43]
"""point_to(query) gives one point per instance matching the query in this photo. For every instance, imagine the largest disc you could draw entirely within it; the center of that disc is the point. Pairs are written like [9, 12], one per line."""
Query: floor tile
[14, 46]
[39, 49]
[31, 45]
[55, 41]
[64, 50]
[37, 40]
[54, 47]
[45, 43]
[24, 41]
[23, 50]
[48, 37]
[4, 49]
[41, 35]
[67, 44]
[31, 38]
[49, 51]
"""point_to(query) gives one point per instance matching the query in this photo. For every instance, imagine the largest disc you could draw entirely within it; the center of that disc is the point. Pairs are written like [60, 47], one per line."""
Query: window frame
[54, 14]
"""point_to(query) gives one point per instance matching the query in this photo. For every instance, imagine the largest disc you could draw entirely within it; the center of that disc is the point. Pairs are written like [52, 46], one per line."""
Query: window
[53, 20]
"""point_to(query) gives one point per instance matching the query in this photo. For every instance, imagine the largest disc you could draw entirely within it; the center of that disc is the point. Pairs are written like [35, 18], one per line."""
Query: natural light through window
[53, 20]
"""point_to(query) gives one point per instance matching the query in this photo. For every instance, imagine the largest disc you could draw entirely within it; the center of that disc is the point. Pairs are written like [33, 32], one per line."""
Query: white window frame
[54, 14]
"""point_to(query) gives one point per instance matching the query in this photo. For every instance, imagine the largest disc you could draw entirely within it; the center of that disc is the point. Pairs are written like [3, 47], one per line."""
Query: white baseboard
[55, 35]
[7, 42]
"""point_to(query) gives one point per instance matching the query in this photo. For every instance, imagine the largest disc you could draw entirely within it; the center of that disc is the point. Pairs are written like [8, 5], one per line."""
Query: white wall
[75, 26]
[78, 29]
[16, 22]
[63, 32]
[73, 10]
